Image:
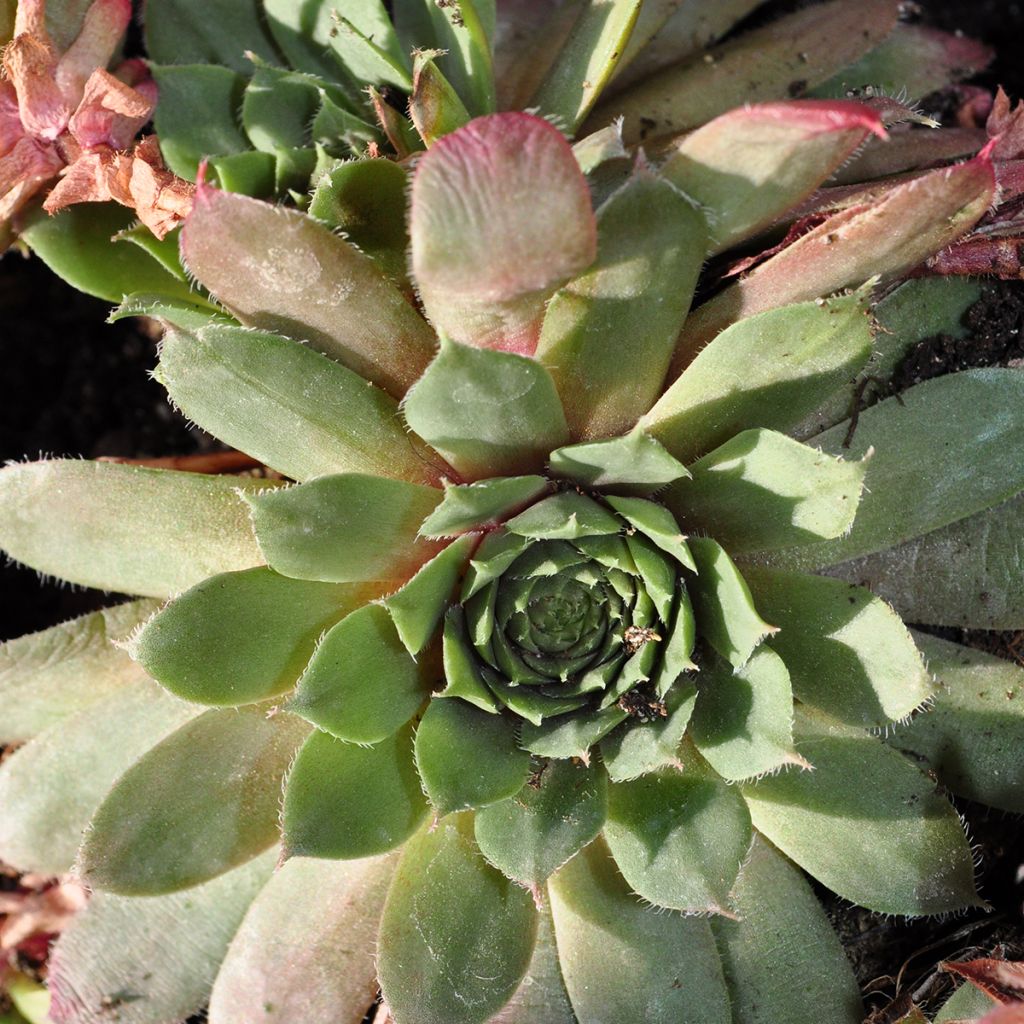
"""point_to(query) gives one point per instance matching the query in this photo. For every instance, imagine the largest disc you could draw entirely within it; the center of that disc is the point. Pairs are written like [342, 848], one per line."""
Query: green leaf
[52, 786]
[973, 732]
[462, 673]
[541, 997]
[570, 735]
[567, 516]
[345, 528]
[345, 801]
[804, 48]
[651, 244]
[965, 574]
[163, 250]
[468, 758]
[154, 835]
[762, 491]
[529, 836]
[47, 677]
[966, 1004]
[679, 838]
[222, 32]
[197, 116]
[489, 249]
[434, 106]
[944, 450]
[251, 173]
[847, 652]
[506, 417]
[497, 551]
[314, 919]
[461, 30]
[866, 823]
[241, 637]
[753, 164]
[658, 524]
[586, 61]
[783, 962]
[288, 406]
[365, 199]
[361, 685]
[365, 43]
[743, 722]
[622, 960]
[640, 747]
[277, 108]
[418, 607]
[635, 461]
[772, 370]
[29, 1000]
[723, 606]
[337, 130]
[77, 245]
[282, 271]
[485, 503]
[303, 34]
[138, 531]
[456, 936]
[190, 315]
[599, 148]
[105, 961]
[677, 653]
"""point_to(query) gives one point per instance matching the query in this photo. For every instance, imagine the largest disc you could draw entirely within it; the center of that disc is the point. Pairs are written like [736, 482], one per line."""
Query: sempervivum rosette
[534, 643]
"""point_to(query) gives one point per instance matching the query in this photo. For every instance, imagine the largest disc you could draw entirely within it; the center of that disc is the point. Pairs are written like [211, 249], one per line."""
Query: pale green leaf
[187, 314]
[283, 271]
[343, 800]
[566, 515]
[771, 370]
[462, 30]
[866, 823]
[531, 835]
[487, 502]
[221, 32]
[278, 107]
[434, 106]
[125, 528]
[570, 735]
[657, 523]
[783, 962]
[288, 406]
[640, 747]
[463, 678]
[966, 1004]
[457, 936]
[241, 637]
[624, 961]
[608, 335]
[598, 148]
[155, 834]
[679, 838]
[304, 951]
[635, 462]
[488, 413]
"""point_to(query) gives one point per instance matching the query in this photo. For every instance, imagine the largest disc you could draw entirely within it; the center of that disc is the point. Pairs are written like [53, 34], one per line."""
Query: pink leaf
[105, 23]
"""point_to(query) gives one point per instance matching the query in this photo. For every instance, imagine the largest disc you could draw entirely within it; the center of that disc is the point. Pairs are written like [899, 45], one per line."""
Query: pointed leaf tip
[500, 218]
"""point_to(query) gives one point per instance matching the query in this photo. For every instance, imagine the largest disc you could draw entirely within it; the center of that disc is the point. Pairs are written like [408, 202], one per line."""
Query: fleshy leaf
[723, 606]
[570, 735]
[773, 369]
[343, 800]
[791, 54]
[763, 491]
[345, 528]
[679, 838]
[567, 516]
[608, 335]
[468, 506]
[111, 948]
[743, 722]
[847, 652]
[529, 836]
[944, 450]
[361, 684]
[497, 551]
[973, 732]
[657, 523]
[461, 669]
[304, 951]
[866, 823]
[277, 108]
[488, 413]
[190, 315]
[288, 406]
[586, 61]
[751, 165]
[965, 574]
[434, 106]
[462, 30]
[622, 960]
[641, 747]
[52, 786]
[154, 835]
[500, 218]
[966, 1004]
[162, 531]
[633, 462]
[418, 608]
[781, 934]
[468, 758]
[599, 148]
[881, 239]
[456, 936]
[282, 271]
[48, 676]
[241, 637]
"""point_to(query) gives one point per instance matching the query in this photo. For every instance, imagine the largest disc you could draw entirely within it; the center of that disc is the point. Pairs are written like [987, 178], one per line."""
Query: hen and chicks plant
[555, 643]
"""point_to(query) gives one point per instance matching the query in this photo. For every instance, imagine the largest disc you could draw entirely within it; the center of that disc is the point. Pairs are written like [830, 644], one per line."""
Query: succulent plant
[556, 644]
